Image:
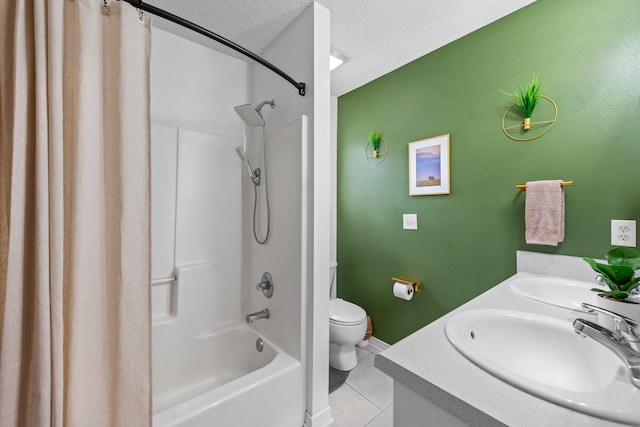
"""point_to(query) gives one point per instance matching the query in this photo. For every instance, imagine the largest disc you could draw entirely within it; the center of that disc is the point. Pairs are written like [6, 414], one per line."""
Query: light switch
[410, 221]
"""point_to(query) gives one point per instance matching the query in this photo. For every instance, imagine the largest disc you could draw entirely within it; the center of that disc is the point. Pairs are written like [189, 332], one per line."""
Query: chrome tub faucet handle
[266, 285]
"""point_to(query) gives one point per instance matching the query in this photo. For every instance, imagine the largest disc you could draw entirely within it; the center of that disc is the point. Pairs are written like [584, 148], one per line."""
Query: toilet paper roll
[403, 291]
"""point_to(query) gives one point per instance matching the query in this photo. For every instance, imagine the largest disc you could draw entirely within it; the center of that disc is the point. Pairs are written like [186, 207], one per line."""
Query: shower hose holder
[255, 177]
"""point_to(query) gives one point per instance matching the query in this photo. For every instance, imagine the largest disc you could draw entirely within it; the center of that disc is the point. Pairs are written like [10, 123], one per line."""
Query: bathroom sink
[545, 357]
[556, 291]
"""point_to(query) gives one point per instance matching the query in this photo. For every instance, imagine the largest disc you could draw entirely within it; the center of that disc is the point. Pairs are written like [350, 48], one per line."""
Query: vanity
[436, 385]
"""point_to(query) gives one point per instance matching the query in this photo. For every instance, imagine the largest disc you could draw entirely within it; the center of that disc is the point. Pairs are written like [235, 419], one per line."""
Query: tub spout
[263, 314]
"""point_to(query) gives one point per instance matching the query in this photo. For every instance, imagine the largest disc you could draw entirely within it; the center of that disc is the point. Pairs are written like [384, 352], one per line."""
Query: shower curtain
[74, 214]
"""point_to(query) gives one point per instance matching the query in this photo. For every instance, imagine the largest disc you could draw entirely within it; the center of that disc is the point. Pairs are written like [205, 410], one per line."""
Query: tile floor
[366, 399]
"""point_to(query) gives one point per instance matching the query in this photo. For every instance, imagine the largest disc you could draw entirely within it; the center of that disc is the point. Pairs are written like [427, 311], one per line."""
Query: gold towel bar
[523, 187]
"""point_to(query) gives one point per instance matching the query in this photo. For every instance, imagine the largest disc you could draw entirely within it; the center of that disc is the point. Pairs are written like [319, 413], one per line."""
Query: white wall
[302, 50]
[194, 87]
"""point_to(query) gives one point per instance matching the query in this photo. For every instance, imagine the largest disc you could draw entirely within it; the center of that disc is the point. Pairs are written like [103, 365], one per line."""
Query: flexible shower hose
[266, 190]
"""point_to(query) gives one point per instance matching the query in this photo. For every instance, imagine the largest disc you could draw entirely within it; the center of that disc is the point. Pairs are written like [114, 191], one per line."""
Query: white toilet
[347, 327]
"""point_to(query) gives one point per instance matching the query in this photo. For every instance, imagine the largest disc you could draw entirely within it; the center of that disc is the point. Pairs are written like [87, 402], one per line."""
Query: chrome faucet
[263, 314]
[624, 327]
[624, 341]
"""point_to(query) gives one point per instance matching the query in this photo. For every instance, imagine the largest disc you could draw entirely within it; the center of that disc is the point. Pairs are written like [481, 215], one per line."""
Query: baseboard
[321, 419]
[378, 344]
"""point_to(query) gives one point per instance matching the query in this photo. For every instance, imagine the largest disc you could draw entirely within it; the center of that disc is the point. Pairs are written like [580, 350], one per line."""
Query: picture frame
[429, 166]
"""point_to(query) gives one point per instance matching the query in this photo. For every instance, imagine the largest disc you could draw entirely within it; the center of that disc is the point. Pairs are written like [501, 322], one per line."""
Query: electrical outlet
[409, 221]
[623, 232]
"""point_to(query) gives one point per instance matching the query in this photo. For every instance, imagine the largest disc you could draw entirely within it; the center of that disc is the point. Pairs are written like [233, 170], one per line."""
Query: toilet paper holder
[417, 286]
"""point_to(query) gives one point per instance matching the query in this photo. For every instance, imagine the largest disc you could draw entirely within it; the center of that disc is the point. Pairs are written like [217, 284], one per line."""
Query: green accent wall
[588, 56]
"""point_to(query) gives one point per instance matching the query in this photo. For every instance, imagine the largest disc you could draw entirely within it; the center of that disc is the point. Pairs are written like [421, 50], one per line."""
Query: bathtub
[221, 379]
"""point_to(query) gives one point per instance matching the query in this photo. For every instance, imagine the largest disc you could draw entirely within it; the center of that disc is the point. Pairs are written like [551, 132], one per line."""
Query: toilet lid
[345, 313]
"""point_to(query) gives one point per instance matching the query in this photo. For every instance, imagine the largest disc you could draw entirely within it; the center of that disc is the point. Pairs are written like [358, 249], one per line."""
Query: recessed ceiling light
[336, 58]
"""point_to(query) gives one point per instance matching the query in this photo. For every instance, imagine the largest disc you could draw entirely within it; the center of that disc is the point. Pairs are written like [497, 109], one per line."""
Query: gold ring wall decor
[378, 157]
[546, 125]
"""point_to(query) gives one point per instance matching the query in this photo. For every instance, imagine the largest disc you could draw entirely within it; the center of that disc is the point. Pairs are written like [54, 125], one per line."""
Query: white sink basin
[560, 292]
[545, 357]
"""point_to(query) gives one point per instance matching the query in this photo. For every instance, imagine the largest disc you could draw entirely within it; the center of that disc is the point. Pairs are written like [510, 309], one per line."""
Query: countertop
[426, 363]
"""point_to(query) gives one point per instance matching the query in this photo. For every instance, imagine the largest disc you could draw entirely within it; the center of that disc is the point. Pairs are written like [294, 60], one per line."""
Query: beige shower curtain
[74, 214]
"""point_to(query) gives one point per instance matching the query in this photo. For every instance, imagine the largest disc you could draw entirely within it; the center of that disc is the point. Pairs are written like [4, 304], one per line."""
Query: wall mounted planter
[377, 156]
[538, 128]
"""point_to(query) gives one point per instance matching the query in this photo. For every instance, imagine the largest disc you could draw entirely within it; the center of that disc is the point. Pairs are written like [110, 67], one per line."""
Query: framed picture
[429, 166]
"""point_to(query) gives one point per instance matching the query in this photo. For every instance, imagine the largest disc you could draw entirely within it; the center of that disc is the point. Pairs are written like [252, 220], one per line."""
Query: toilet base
[342, 357]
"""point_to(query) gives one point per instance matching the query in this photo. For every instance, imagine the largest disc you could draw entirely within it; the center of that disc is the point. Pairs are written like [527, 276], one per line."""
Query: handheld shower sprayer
[253, 173]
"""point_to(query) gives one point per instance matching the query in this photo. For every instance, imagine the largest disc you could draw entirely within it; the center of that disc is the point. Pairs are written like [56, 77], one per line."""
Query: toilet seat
[344, 313]
[339, 323]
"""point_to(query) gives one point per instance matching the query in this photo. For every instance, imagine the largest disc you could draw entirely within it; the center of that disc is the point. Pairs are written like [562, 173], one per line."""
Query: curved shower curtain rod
[139, 4]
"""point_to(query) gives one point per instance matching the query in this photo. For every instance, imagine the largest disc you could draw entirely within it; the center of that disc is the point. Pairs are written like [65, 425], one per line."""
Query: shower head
[250, 115]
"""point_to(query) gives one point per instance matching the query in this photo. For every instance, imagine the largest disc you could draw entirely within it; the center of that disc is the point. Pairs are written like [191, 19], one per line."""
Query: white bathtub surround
[193, 315]
[74, 214]
[431, 378]
[164, 172]
[208, 203]
[191, 165]
[226, 381]
[281, 257]
[209, 361]
[196, 363]
[218, 262]
[195, 171]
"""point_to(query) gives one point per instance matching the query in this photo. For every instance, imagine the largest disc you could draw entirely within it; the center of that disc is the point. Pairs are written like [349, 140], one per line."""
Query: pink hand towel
[544, 213]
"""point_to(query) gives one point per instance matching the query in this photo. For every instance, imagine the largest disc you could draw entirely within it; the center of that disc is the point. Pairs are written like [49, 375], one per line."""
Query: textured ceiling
[378, 35]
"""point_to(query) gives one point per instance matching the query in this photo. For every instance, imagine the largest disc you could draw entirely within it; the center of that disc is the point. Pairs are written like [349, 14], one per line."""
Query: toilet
[347, 327]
